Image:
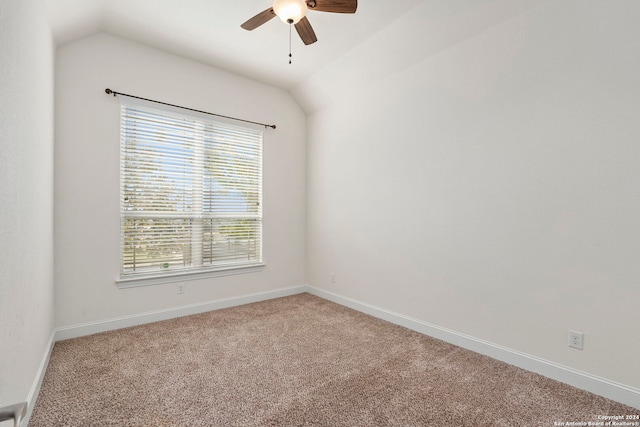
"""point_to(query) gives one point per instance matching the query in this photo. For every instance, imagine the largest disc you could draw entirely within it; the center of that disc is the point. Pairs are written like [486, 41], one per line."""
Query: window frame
[196, 270]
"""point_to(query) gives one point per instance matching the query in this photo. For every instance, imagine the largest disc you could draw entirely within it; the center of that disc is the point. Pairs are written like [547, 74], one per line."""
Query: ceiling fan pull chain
[290, 25]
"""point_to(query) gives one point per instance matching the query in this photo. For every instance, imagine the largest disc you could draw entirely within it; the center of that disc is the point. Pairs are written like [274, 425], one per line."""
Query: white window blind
[191, 193]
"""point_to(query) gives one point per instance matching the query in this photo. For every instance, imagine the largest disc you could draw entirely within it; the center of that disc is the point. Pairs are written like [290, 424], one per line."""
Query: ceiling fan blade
[259, 19]
[336, 6]
[305, 31]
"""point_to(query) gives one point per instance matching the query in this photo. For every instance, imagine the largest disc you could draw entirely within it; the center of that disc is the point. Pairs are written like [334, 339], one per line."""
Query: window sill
[134, 282]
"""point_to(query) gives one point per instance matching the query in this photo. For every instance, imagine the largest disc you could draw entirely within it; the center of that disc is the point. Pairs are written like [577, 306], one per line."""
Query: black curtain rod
[114, 93]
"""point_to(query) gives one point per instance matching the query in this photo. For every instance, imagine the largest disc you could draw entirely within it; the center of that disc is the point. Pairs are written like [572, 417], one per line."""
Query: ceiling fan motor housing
[290, 11]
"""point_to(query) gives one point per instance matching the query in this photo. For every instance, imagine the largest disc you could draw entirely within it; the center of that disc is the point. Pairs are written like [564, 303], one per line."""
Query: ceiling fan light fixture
[290, 11]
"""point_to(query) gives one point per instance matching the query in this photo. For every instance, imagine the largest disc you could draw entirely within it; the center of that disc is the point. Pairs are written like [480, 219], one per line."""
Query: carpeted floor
[294, 361]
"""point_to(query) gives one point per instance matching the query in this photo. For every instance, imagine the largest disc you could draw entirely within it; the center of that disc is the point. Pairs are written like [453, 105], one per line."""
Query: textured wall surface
[87, 221]
[490, 188]
[26, 195]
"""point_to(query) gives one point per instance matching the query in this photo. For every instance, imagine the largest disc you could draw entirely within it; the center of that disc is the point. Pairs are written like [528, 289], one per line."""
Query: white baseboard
[37, 383]
[76, 331]
[601, 386]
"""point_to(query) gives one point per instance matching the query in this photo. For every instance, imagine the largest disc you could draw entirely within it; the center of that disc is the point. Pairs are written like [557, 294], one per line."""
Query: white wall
[26, 195]
[87, 175]
[493, 187]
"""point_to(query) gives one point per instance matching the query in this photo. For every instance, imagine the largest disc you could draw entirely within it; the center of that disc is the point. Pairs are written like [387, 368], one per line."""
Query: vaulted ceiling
[352, 50]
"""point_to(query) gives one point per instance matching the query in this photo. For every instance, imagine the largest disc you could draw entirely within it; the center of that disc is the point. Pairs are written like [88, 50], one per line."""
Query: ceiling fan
[293, 12]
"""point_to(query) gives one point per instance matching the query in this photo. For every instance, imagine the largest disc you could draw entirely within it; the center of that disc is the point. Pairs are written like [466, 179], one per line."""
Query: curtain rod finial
[109, 92]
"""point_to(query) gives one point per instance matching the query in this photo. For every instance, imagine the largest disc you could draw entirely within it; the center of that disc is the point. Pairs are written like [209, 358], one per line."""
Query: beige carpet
[294, 361]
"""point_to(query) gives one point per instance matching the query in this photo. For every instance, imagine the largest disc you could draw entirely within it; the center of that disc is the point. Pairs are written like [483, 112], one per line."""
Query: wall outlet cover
[576, 340]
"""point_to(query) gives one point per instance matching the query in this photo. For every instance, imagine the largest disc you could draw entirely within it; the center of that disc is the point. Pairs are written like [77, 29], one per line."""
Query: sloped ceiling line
[353, 50]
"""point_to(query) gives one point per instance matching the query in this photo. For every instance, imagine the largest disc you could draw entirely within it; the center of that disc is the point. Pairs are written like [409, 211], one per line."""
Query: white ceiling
[381, 36]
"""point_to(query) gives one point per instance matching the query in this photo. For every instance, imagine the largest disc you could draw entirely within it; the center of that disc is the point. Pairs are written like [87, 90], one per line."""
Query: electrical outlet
[333, 277]
[180, 288]
[576, 339]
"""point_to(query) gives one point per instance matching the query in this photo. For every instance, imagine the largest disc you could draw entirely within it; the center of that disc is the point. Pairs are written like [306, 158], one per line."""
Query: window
[191, 191]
